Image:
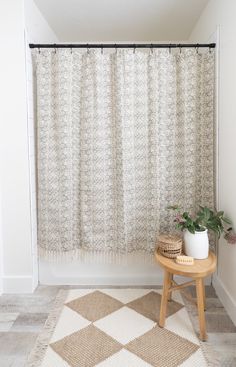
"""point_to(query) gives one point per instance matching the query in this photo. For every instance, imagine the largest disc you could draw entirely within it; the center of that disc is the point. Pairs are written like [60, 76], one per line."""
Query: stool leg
[164, 298]
[200, 305]
[169, 294]
[204, 294]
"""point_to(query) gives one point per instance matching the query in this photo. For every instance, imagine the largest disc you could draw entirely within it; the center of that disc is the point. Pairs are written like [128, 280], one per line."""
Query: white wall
[15, 226]
[15, 203]
[37, 30]
[222, 13]
[1, 247]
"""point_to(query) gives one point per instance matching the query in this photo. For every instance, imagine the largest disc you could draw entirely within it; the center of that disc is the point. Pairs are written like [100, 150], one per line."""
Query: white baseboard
[226, 299]
[103, 281]
[112, 280]
[26, 284]
[18, 284]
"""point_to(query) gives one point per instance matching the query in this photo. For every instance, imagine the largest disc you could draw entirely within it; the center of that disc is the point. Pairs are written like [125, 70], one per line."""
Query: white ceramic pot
[197, 244]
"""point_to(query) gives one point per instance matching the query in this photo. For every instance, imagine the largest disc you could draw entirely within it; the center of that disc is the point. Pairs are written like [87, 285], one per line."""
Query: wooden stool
[198, 271]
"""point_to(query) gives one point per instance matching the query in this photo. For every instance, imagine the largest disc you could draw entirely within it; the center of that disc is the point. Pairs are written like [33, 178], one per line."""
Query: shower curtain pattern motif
[121, 136]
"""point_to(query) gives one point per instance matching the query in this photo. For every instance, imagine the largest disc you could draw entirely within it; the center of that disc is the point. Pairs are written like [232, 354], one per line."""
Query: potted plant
[195, 229]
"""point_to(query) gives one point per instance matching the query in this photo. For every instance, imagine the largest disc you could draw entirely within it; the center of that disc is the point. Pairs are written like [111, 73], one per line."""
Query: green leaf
[185, 215]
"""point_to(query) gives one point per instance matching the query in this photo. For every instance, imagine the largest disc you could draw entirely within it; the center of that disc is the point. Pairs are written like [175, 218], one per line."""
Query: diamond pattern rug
[117, 328]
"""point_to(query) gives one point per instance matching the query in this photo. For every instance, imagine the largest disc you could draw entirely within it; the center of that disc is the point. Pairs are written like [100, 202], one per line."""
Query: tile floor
[22, 318]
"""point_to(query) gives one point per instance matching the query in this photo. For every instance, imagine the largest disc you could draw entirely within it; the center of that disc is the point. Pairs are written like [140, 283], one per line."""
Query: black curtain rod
[122, 45]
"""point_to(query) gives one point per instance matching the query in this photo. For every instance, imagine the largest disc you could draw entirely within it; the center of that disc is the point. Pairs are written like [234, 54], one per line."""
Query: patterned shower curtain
[120, 136]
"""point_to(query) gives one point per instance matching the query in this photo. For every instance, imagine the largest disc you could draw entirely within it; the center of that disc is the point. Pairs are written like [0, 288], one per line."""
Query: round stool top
[200, 268]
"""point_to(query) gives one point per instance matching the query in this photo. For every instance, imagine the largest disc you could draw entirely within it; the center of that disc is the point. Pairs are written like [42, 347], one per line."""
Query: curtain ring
[180, 49]
[39, 50]
[210, 50]
[170, 48]
[151, 48]
[102, 49]
[87, 48]
[134, 49]
[197, 48]
[115, 48]
[71, 50]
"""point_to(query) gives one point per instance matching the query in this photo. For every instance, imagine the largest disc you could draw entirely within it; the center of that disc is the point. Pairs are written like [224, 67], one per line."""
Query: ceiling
[121, 20]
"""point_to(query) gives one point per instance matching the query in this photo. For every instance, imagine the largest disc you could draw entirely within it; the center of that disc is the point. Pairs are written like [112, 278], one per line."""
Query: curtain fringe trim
[38, 352]
[97, 257]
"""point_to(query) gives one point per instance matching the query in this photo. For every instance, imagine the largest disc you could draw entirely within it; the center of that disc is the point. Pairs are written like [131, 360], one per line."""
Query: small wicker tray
[170, 245]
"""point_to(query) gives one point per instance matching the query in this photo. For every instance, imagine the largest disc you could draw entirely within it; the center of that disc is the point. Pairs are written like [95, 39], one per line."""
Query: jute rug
[117, 328]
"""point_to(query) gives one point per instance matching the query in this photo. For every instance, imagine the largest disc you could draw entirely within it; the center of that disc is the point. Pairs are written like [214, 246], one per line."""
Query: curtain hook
[87, 48]
[102, 49]
[134, 49]
[209, 50]
[170, 48]
[197, 48]
[115, 48]
[71, 50]
[39, 50]
[180, 48]
[151, 48]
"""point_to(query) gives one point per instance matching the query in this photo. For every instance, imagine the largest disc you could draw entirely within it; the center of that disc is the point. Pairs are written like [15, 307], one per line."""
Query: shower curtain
[120, 136]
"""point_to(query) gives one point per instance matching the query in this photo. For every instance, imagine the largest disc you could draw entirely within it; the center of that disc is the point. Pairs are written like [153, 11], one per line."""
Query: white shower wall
[36, 30]
[31, 116]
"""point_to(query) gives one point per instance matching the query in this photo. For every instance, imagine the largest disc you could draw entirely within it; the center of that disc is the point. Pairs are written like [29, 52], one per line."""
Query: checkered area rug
[118, 328]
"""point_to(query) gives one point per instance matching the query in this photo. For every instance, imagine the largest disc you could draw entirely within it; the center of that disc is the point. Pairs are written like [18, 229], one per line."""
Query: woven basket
[169, 245]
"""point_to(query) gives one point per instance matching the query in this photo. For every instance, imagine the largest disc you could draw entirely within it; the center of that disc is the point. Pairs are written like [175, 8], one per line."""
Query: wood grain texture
[164, 298]
[200, 306]
[200, 268]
